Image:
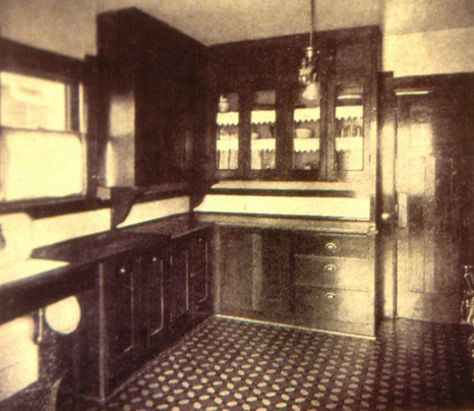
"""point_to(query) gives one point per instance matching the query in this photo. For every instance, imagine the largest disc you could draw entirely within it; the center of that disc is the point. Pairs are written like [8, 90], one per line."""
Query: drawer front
[331, 245]
[338, 305]
[333, 272]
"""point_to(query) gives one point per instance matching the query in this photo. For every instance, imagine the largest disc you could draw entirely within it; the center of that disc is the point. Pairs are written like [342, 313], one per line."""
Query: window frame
[74, 73]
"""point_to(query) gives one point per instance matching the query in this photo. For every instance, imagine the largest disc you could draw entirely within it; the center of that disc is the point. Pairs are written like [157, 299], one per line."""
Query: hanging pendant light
[307, 72]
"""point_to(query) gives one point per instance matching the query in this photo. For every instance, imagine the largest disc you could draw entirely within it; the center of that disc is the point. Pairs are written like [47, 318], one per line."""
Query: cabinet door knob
[122, 270]
[330, 296]
[330, 268]
[330, 247]
[154, 259]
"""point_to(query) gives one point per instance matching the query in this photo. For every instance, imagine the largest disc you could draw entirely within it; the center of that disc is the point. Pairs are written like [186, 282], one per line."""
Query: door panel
[427, 181]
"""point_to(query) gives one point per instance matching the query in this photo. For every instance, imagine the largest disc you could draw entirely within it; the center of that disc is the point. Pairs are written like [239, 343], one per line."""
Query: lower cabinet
[302, 278]
[142, 302]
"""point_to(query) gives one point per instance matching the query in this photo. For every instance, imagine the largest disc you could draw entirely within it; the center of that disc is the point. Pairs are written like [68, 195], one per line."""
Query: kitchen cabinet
[122, 308]
[200, 277]
[334, 281]
[180, 314]
[301, 278]
[150, 77]
[261, 127]
[125, 319]
[147, 287]
[156, 296]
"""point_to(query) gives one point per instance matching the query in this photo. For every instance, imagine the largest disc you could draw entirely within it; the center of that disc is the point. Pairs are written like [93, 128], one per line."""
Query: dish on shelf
[303, 132]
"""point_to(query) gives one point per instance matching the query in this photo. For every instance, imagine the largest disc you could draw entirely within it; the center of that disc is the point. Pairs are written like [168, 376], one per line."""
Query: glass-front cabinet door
[227, 136]
[349, 126]
[306, 135]
[263, 139]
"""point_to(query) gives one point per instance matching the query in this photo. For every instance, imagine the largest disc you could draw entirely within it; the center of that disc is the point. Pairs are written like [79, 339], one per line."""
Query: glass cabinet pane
[349, 123]
[306, 132]
[227, 139]
[263, 140]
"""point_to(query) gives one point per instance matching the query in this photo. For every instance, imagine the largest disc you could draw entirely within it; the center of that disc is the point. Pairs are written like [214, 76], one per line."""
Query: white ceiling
[221, 21]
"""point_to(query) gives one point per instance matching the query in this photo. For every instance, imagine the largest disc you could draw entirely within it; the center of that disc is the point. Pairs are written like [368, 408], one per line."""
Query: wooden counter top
[299, 224]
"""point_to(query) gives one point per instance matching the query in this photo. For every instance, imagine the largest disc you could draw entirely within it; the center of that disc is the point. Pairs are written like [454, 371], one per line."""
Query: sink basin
[27, 268]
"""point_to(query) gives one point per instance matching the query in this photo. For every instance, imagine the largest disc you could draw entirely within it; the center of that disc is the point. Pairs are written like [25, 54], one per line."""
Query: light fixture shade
[312, 91]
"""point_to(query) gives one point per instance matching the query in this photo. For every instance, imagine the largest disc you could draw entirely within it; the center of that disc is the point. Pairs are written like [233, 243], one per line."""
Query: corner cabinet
[261, 127]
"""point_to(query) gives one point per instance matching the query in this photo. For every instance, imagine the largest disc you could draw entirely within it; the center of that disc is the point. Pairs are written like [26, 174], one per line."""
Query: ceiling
[221, 21]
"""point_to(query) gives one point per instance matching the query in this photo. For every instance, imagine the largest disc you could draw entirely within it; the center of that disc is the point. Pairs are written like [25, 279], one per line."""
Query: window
[42, 149]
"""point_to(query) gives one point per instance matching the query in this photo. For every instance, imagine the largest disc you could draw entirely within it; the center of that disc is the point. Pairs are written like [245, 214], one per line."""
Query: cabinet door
[121, 304]
[348, 144]
[154, 299]
[180, 290]
[254, 274]
[200, 275]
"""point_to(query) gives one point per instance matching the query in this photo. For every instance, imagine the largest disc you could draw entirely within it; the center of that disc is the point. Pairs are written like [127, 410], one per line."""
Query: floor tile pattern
[234, 365]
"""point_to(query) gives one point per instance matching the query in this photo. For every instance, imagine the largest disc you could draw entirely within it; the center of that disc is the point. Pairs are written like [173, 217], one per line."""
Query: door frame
[386, 200]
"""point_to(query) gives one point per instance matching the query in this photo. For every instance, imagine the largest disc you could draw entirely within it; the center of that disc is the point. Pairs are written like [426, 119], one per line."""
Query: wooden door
[154, 303]
[428, 199]
[121, 297]
[180, 272]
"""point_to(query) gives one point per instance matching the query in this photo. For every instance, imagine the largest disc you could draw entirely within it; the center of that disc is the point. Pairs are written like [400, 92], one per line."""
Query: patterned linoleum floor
[231, 365]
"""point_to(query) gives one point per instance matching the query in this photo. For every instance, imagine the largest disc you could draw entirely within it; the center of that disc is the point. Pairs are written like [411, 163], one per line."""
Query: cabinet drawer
[333, 272]
[331, 245]
[326, 304]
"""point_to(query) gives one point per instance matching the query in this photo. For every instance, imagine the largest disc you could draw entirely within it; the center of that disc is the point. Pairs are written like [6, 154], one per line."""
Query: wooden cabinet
[122, 309]
[150, 94]
[200, 276]
[180, 282]
[156, 295]
[262, 127]
[304, 278]
[334, 282]
[143, 300]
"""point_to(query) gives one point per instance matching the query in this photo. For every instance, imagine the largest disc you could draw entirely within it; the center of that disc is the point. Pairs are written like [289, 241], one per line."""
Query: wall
[432, 52]
[62, 26]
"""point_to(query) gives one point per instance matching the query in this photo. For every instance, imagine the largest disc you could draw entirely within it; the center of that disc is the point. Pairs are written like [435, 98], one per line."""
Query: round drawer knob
[330, 268]
[154, 259]
[330, 247]
[123, 270]
[330, 296]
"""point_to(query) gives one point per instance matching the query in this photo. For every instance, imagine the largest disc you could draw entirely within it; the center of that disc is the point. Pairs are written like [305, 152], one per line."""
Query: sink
[27, 268]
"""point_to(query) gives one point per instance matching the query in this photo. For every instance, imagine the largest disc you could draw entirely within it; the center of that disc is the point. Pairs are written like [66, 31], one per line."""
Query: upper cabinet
[151, 90]
[262, 126]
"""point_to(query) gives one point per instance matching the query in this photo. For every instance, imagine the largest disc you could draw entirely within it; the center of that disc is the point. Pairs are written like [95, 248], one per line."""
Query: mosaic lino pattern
[231, 365]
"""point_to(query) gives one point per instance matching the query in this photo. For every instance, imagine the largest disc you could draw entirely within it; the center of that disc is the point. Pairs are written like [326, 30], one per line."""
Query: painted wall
[51, 230]
[62, 26]
[432, 52]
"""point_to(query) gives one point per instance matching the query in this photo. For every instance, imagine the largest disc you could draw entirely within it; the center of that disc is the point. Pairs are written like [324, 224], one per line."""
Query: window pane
[228, 132]
[349, 127]
[32, 103]
[38, 164]
[306, 133]
[263, 140]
